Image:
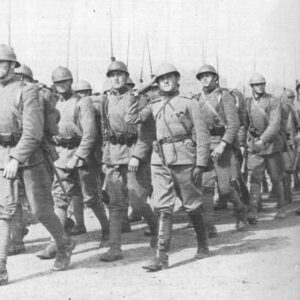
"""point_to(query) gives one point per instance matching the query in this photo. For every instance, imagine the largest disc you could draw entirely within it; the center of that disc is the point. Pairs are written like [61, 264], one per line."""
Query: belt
[175, 138]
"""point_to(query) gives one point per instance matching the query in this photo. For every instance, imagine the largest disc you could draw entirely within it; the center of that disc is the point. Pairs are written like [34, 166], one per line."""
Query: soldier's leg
[78, 211]
[256, 171]
[163, 201]
[116, 181]
[288, 160]
[8, 205]
[226, 178]
[87, 177]
[139, 187]
[275, 166]
[38, 191]
[192, 203]
[208, 188]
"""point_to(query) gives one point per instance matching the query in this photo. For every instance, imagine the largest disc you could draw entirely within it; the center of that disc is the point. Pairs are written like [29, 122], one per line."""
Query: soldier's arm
[202, 134]
[134, 114]
[146, 135]
[32, 124]
[232, 118]
[274, 122]
[88, 125]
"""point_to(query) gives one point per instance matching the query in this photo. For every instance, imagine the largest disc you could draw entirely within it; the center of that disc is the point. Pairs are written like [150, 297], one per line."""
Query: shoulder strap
[213, 110]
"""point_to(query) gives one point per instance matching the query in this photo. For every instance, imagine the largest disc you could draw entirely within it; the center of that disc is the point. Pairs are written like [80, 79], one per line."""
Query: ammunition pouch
[175, 138]
[254, 132]
[10, 139]
[217, 131]
[121, 138]
[67, 142]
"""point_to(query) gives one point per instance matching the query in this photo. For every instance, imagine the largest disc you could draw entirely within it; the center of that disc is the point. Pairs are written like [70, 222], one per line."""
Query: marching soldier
[221, 115]
[22, 159]
[126, 161]
[180, 154]
[75, 145]
[264, 142]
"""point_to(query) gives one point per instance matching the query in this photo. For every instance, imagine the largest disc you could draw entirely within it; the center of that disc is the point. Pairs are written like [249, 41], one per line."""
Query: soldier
[289, 128]
[221, 115]
[180, 154]
[75, 146]
[22, 159]
[264, 142]
[126, 161]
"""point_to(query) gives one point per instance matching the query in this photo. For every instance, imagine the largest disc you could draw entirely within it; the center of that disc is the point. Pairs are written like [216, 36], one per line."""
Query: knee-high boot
[4, 244]
[197, 219]
[161, 259]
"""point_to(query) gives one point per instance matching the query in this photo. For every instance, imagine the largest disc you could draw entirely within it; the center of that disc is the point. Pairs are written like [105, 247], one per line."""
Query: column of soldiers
[65, 146]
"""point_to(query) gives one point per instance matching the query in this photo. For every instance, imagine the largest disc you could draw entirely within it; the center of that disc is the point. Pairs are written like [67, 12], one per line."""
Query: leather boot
[99, 211]
[63, 255]
[208, 211]
[150, 218]
[115, 228]
[4, 244]
[287, 184]
[161, 258]
[240, 210]
[78, 211]
[18, 231]
[197, 219]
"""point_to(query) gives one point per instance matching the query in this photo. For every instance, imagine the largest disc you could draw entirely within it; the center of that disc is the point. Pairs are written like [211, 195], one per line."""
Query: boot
[161, 259]
[240, 211]
[4, 243]
[49, 252]
[63, 256]
[99, 211]
[78, 211]
[18, 231]
[208, 211]
[279, 188]
[115, 228]
[197, 219]
[150, 218]
[287, 184]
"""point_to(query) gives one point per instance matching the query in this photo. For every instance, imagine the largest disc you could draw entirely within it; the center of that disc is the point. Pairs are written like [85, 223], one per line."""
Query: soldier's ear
[12, 65]
[178, 78]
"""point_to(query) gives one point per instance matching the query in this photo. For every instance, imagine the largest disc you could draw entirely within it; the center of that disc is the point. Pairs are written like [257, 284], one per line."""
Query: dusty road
[262, 263]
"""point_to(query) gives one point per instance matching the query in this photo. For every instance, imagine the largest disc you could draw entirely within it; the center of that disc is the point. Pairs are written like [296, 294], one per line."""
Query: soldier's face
[259, 88]
[206, 79]
[118, 79]
[4, 68]
[63, 87]
[168, 83]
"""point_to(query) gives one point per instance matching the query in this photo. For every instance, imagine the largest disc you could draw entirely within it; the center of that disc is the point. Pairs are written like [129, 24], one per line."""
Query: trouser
[226, 175]
[126, 187]
[288, 161]
[80, 182]
[37, 184]
[171, 181]
[256, 169]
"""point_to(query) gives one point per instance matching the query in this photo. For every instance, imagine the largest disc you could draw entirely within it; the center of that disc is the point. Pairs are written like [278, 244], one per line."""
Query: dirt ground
[262, 263]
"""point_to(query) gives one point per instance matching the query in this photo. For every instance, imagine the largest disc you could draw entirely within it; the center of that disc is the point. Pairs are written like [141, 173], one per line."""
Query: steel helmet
[82, 85]
[289, 93]
[130, 82]
[7, 53]
[257, 78]
[206, 69]
[61, 74]
[117, 66]
[164, 69]
[24, 70]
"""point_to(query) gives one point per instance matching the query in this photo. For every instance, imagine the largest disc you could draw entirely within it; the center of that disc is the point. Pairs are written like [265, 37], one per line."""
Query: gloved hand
[197, 176]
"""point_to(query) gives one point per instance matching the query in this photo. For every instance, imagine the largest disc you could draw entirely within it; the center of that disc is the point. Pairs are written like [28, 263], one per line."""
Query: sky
[237, 36]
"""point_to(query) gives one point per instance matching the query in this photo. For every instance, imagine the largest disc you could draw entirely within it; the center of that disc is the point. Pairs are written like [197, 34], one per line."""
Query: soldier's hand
[258, 146]
[104, 168]
[219, 150]
[11, 169]
[133, 164]
[72, 163]
[197, 176]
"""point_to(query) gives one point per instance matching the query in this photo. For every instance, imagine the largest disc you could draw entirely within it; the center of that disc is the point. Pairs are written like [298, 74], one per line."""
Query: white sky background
[243, 33]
